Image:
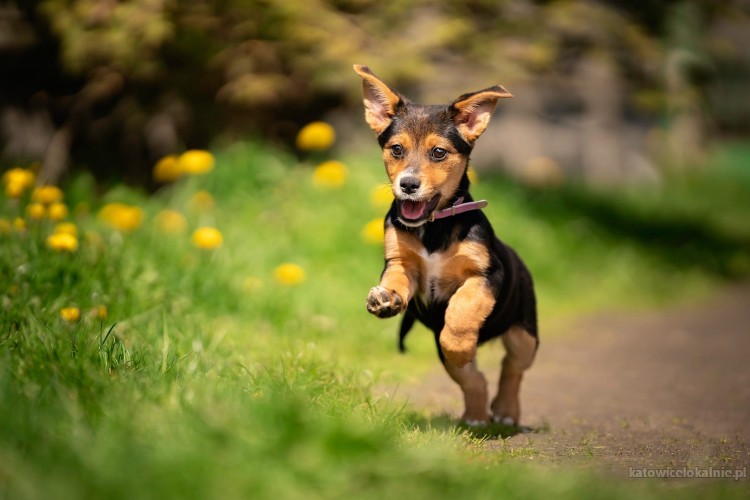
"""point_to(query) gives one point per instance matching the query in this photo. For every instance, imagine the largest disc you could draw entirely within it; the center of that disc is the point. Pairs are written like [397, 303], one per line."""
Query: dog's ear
[380, 100]
[471, 112]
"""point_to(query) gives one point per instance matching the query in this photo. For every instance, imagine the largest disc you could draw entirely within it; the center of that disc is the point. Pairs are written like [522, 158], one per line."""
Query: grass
[209, 378]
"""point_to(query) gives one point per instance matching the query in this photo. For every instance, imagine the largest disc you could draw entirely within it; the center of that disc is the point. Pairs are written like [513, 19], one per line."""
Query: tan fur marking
[443, 176]
[469, 258]
[403, 263]
[394, 166]
[466, 312]
[435, 176]
[520, 349]
[474, 386]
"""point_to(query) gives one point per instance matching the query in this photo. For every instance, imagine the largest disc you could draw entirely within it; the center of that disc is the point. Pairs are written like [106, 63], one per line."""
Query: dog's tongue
[413, 209]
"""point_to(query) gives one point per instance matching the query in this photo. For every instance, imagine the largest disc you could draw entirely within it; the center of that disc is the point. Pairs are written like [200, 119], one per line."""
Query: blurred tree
[116, 84]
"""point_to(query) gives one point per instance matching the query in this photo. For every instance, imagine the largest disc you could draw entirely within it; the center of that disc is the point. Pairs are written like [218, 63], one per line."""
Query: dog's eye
[438, 154]
[397, 150]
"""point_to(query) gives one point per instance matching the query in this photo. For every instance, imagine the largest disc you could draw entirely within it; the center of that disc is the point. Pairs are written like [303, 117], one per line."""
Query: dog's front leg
[396, 287]
[468, 308]
[400, 276]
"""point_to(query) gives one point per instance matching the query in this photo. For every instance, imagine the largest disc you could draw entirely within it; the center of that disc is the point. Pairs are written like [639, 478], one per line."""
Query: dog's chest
[443, 272]
[431, 287]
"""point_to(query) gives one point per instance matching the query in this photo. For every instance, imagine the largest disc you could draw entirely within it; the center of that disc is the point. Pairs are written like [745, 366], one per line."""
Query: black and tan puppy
[443, 264]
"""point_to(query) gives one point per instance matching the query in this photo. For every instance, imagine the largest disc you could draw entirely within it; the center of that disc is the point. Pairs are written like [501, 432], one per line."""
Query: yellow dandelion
[289, 274]
[57, 211]
[66, 228]
[101, 312]
[202, 201]
[195, 162]
[62, 242]
[121, 216]
[381, 196]
[170, 221]
[315, 136]
[35, 211]
[373, 232]
[330, 174]
[70, 314]
[17, 180]
[14, 190]
[19, 224]
[5, 226]
[47, 195]
[167, 169]
[207, 238]
[472, 174]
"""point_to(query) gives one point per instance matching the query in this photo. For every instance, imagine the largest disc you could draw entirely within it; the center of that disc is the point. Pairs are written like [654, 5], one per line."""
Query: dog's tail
[407, 322]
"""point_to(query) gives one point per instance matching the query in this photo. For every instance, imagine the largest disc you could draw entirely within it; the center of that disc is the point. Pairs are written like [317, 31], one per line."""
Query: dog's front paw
[383, 303]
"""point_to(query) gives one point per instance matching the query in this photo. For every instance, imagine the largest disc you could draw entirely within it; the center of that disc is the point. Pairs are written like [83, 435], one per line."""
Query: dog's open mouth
[417, 211]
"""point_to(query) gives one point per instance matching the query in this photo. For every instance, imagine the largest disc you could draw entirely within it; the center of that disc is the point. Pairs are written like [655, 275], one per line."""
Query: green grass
[197, 385]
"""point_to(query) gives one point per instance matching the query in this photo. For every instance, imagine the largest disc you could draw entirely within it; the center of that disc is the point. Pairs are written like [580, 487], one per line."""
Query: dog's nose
[409, 185]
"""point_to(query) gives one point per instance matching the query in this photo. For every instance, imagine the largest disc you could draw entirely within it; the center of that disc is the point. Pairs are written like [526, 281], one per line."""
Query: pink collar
[458, 208]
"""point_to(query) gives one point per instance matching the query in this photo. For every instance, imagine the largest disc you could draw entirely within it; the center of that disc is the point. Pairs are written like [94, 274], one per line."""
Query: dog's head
[425, 148]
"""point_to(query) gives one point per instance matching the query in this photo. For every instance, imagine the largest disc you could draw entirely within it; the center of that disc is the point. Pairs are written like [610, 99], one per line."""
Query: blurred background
[603, 91]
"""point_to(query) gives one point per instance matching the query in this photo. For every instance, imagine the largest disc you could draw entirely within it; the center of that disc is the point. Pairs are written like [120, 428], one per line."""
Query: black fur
[508, 276]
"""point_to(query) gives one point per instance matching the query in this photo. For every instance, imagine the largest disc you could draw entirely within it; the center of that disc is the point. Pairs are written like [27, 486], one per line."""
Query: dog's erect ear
[471, 112]
[380, 100]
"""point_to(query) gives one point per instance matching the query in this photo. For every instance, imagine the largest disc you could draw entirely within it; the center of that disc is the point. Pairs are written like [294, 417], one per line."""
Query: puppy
[444, 266]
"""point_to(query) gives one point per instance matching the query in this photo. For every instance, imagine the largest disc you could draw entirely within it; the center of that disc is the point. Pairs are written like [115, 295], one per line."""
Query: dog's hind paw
[383, 303]
[509, 421]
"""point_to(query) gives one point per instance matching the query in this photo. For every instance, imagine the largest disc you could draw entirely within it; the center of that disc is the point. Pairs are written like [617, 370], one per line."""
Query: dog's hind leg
[474, 386]
[520, 347]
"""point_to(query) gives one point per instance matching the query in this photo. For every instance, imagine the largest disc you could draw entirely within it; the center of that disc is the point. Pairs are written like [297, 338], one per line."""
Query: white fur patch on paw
[504, 420]
[475, 423]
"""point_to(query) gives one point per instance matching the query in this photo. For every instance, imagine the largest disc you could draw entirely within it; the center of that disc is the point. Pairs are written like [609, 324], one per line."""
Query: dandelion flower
[47, 195]
[207, 238]
[381, 196]
[14, 190]
[373, 232]
[66, 228]
[330, 174]
[57, 211]
[195, 162]
[5, 226]
[472, 175]
[101, 312]
[121, 216]
[315, 136]
[17, 180]
[170, 221]
[289, 274]
[35, 211]
[202, 201]
[167, 169]
[62, 242]
[70, 314]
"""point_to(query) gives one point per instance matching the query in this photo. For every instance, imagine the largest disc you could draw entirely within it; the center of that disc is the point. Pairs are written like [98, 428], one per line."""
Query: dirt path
[664, 389]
